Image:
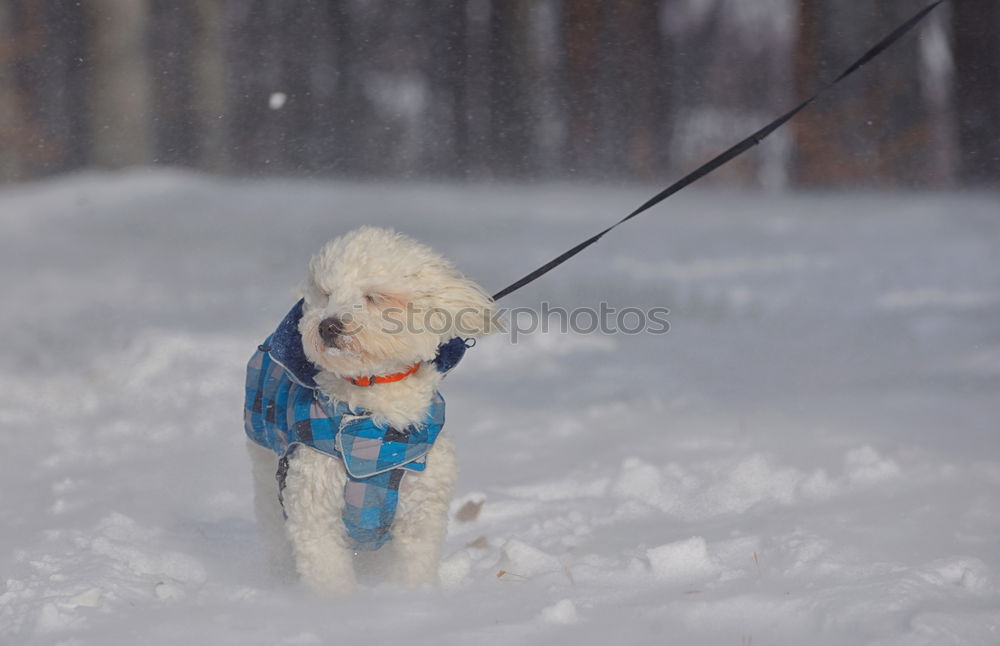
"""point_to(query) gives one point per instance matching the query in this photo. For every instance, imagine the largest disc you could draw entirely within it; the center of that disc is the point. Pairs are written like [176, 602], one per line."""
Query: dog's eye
[373, 299]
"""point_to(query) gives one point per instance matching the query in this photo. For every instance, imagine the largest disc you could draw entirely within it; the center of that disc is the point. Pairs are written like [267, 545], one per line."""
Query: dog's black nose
[330, 329]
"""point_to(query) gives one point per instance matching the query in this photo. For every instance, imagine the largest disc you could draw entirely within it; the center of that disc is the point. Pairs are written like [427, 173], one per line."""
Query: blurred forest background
[497, 89]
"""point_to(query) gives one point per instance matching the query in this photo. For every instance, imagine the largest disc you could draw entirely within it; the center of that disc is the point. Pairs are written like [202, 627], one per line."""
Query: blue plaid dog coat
[284, 409]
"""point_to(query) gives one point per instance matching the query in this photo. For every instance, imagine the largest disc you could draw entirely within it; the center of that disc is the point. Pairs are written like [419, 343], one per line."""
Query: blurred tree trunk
[310, 79]
[646, 51]
[694, 35]
[478, 86]
[876, 129]
[11, 117]
[209, 78]
[305, 90]
[253, 57]
[613, 79]
[581, 23]
[118, 82]
[347, 101]
[41, 88]
[975, 24]
[633, 77]
[510, 84]
[172, 35]
[394, 83]
[446, 24]
[187, 81]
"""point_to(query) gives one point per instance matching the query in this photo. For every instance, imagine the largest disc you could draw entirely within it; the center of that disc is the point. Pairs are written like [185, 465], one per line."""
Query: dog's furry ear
[470, 310]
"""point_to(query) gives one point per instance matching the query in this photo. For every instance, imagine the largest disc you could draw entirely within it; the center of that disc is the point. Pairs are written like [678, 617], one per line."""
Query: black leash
[726, 156]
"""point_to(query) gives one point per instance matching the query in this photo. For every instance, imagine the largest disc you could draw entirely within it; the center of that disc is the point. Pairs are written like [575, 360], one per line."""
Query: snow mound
[686, 561]
[561, 612]
[522, 560]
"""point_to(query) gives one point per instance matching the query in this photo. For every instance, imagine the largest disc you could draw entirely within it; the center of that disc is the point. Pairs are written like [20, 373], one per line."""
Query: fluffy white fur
[399, 301]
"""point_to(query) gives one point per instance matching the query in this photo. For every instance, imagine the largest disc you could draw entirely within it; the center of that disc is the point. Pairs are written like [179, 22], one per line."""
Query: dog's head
[377, 301]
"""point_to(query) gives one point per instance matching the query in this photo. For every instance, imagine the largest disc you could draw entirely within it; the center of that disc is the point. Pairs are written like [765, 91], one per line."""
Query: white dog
[345, 394]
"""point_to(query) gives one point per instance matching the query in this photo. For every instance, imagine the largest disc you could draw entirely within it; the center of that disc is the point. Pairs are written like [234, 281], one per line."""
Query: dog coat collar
[383, 379]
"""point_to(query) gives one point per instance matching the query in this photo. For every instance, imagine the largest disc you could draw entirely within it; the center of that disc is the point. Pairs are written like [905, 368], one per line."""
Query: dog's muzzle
[331, 329]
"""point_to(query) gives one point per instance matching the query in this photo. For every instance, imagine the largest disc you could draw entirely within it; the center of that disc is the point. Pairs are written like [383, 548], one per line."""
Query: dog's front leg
[313, 497]
[422, 517]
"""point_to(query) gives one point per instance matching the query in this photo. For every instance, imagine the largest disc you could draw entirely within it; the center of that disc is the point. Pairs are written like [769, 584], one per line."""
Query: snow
[809, 455]
[682, 561]
[561, 612]
[277, 100]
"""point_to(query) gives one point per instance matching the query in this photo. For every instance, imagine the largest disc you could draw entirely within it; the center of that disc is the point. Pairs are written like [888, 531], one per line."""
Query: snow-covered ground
[809, 456]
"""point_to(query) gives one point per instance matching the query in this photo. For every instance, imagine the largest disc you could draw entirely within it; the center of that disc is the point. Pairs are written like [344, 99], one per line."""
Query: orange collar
[383, 379]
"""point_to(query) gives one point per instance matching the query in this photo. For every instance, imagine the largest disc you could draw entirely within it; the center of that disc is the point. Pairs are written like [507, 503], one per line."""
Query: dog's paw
[326, 569]
[417, 578]
[333, 588]
[416, 570]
